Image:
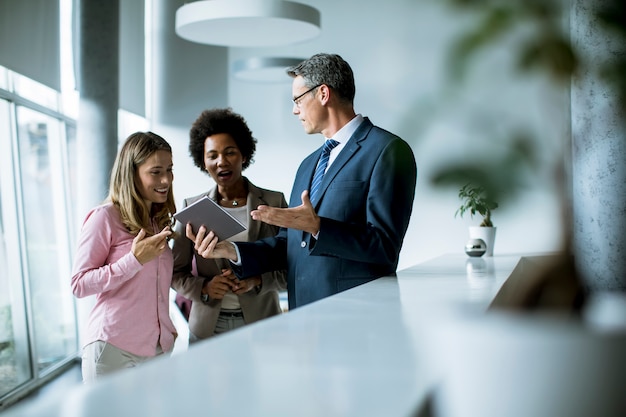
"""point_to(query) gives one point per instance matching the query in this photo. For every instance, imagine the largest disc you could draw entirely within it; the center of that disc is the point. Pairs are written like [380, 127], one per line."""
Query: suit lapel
[255, 199]
[352, 147]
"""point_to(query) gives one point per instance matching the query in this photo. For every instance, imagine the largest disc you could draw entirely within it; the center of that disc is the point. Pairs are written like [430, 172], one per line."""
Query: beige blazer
[191, 270]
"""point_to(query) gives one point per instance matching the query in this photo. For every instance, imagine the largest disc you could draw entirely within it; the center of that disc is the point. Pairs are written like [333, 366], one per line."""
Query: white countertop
[375, 350]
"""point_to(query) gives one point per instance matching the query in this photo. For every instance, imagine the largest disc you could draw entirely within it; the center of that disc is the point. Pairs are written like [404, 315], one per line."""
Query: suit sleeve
[264, 255]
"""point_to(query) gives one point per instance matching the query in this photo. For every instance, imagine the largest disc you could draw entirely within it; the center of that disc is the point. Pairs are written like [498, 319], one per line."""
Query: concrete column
[98, 78]
[598, 156]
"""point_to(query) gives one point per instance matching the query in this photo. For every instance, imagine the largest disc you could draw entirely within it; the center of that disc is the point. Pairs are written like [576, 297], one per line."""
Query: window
[38, 331]
[45, 222]
[14, 359]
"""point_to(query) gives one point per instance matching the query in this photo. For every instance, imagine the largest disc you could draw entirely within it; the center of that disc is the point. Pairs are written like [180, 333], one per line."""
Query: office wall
[398, 53]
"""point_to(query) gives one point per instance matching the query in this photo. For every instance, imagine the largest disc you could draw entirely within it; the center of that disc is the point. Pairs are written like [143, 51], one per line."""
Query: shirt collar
[346, 132]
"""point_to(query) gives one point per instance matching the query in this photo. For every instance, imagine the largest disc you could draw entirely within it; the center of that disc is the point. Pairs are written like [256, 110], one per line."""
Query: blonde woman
[124, 260]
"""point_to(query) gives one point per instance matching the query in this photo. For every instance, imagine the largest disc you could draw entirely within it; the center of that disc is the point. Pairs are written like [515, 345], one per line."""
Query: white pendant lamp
[264, 69]
[247, 23]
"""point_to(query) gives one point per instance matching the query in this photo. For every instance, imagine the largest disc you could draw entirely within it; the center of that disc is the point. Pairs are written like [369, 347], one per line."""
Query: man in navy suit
[352, 230]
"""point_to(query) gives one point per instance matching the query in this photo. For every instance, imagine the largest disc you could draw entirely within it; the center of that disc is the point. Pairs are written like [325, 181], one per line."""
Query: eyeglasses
[296, 100]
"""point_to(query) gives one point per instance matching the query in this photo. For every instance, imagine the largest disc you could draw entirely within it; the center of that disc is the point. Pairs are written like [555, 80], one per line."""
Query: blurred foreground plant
[542, 46]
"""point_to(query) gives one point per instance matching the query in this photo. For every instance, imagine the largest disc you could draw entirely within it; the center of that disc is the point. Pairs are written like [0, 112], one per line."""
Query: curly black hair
[214, 121]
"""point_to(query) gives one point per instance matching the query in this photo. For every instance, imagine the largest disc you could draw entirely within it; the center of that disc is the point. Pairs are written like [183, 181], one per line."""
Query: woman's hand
[207, 244]
[245, 285]
[220, 285]
[146, 249]
[227, 281]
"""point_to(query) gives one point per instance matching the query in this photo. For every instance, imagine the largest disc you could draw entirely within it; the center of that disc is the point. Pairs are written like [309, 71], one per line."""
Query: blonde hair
[123, 192]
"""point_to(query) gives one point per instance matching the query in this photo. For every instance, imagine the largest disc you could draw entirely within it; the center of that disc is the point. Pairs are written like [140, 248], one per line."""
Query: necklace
[234, 203]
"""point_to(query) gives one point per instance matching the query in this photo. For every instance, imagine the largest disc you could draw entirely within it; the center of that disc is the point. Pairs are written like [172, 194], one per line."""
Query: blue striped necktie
[321, 167]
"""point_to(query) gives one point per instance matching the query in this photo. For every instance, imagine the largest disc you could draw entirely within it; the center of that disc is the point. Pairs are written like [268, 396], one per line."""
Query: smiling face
[223, 160]
[154, 177]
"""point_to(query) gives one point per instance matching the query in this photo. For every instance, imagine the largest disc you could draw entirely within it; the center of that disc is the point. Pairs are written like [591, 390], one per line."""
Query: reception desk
[418, 344]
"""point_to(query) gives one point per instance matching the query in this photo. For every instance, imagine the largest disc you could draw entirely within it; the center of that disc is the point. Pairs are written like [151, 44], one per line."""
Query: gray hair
[328, 69]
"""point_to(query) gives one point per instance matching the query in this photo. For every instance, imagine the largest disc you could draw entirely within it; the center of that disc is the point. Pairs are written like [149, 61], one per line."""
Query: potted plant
[475, 200]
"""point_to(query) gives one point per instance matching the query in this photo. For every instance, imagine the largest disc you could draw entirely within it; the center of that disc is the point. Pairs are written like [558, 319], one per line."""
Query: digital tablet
[208, 213]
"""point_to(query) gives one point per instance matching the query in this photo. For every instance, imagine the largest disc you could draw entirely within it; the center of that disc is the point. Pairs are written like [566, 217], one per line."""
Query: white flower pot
[488, 234]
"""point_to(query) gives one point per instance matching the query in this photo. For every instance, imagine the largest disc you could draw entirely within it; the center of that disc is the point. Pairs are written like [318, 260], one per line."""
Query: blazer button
[303, 244]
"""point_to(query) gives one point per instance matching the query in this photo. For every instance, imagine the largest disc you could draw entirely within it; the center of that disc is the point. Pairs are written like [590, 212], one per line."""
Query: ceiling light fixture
[247, 23]
[264, 69]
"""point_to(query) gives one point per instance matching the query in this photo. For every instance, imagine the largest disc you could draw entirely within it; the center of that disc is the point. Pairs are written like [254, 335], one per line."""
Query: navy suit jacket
[364, 205]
